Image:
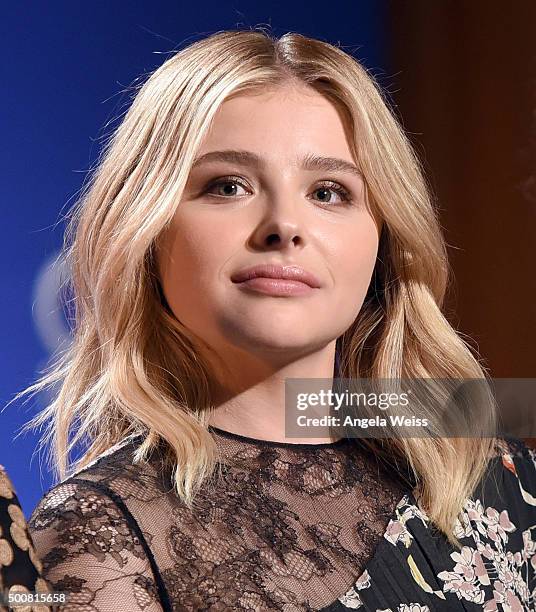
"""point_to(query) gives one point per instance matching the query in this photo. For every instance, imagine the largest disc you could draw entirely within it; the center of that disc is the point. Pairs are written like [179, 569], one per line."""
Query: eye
[341, 192]
[228, 182]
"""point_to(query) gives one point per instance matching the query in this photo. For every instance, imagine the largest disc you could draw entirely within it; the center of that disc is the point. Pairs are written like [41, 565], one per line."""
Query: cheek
[193, 251]
[191, 258]
[356, 256]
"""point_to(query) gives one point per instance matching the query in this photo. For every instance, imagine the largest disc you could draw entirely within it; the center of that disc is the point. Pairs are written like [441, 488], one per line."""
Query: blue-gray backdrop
[65, 68]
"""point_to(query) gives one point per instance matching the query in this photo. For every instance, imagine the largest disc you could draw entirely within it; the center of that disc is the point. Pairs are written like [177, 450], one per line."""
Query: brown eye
[225, 187]
[328, 186]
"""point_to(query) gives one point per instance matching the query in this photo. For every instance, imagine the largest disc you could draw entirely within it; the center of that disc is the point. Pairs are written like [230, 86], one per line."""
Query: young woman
[246, 151]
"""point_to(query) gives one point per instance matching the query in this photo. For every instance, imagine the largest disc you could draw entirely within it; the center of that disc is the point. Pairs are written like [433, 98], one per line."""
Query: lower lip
[276, 286]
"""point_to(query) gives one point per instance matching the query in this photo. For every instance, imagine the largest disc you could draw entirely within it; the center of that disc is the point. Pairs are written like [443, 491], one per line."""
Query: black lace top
[284, 527]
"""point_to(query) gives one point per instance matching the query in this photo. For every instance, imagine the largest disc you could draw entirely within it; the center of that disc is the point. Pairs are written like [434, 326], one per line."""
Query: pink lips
[273, 279]
[294, 273]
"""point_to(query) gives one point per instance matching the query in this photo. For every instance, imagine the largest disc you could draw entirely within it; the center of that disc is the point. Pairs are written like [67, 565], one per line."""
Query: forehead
[288, 120]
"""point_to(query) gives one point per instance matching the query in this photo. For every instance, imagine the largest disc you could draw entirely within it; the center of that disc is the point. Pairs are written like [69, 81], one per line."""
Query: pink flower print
[505, 522]
[396, 532]
[469, 564]
[513, 602]
[506, 597]
[480, 569]
[468, 575]
[499, 525]
[529, 546]
[490, 606]
[454, 583]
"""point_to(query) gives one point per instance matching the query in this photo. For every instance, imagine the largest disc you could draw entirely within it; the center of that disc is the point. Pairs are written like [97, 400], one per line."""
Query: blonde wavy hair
[133, 368]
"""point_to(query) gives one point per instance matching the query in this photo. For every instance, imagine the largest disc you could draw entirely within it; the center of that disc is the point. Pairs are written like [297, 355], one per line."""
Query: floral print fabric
[416, 570]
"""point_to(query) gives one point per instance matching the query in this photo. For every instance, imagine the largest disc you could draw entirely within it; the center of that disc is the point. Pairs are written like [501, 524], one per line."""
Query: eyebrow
[308, 162]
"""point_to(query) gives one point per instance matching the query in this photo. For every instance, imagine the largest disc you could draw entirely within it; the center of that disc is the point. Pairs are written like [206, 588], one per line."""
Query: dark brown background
[463, 81]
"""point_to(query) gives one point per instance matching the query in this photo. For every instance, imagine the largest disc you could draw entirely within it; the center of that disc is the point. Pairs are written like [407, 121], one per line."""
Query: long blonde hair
[133, 368]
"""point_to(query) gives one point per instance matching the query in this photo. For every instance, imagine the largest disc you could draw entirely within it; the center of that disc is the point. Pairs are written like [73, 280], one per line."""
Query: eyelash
[336, 187]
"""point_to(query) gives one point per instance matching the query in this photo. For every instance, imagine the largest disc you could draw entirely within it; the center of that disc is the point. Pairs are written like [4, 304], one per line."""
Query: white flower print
[396, 529]
[504, 596]
[363, 582]
[351, 598]
[493, 570]
[463, 528]
[490, 562]
[414, 607]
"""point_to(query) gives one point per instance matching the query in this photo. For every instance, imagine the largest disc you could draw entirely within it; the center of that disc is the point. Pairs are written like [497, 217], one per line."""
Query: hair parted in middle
[133, 367]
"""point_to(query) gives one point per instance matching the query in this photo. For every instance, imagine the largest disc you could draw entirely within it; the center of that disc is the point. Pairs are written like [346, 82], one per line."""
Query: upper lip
[291, 272]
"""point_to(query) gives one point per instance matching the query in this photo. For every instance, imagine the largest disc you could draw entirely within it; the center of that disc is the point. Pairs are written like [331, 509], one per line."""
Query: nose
[282, 223]
[282, 237]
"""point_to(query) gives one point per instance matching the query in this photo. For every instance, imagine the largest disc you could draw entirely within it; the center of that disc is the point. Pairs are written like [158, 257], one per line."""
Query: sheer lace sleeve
[92, 549]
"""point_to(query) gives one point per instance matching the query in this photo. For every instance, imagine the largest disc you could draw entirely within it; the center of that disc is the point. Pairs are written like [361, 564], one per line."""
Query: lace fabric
[280, 527]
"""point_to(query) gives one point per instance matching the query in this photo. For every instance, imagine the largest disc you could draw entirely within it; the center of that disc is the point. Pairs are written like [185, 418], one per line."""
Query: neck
[253, 403]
